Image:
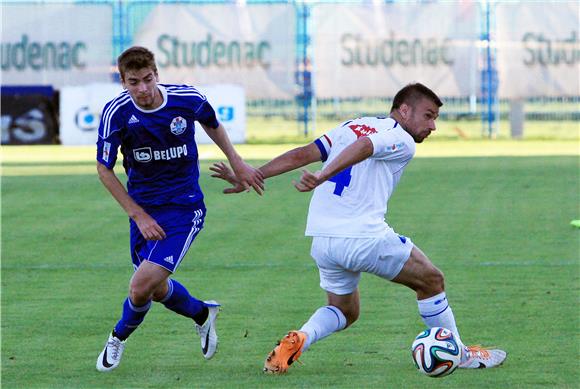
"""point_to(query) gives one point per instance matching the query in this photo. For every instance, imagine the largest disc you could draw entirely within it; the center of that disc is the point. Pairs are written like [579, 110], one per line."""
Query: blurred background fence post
[517, 118]
[489, 76]
[305, 97]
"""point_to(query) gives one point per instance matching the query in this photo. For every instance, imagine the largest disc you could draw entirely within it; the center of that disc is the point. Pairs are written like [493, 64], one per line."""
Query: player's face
[420, 119]
[142, 86]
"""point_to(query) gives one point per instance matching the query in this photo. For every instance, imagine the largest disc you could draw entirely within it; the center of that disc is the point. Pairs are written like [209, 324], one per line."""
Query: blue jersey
[159, 151]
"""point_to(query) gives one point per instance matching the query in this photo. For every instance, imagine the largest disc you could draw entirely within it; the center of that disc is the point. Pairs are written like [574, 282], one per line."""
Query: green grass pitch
[498, 227]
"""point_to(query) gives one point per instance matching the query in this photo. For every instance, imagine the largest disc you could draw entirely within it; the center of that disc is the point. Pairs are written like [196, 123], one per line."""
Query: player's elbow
[102, 170]
[366, 147]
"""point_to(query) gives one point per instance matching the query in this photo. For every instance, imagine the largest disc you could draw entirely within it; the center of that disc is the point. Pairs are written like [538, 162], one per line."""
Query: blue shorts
[181, 225]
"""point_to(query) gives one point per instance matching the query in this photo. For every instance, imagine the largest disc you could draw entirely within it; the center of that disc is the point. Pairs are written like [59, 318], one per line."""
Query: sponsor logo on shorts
[169, 259]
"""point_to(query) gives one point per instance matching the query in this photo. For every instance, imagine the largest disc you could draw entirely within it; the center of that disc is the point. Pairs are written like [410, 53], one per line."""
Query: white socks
[436, 312]
[322, 323]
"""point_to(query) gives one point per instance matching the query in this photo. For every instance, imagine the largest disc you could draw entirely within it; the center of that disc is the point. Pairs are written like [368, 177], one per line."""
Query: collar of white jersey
[163, 104]
[394, 124]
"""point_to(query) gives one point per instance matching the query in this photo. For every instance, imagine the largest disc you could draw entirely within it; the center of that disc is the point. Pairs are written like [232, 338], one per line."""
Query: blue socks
[177, 299]
[180, 301]
[131, 318]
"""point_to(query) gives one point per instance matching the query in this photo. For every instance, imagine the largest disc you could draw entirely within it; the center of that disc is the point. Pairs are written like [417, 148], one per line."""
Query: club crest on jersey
[143, 154]
[178, 125]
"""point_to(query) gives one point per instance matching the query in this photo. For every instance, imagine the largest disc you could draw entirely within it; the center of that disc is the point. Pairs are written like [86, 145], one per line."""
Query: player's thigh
[341, 260]
[181, 226]
[383, 256]
[419, 273]
[334, 277]
[148, 278]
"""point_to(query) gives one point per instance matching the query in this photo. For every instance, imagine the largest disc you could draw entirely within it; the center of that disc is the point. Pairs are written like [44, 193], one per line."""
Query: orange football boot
[285, 353]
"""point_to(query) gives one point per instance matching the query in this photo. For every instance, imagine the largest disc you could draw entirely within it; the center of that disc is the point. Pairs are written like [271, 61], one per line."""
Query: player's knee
[139, 294]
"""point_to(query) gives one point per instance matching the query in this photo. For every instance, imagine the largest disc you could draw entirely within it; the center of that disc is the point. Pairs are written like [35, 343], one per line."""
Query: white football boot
[477, 357]
[111, 355]
[207, 331]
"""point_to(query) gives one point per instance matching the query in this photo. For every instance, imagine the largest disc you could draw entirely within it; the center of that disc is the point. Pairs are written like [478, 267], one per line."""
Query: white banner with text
[372, 50]
[229, 103]
[56, 44]
[80, 111]
[538, 49]
[249, 45]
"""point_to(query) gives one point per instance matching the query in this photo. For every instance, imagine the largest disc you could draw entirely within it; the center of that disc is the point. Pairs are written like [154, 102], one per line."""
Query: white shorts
[341, 261]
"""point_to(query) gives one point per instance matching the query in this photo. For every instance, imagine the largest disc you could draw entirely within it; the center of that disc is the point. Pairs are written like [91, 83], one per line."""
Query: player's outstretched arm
[224, 172]
[358, 151]
[286, 162]
[247, 176]
[292, 159]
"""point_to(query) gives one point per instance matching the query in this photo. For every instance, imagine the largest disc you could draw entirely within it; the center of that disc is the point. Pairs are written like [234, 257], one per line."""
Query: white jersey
[353, 203]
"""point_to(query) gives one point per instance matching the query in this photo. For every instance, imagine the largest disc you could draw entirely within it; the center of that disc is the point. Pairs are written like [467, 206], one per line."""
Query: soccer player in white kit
[364, 160]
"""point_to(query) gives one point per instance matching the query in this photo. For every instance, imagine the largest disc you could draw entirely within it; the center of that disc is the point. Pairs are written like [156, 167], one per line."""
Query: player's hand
[224, 172]
[249, 177]
[308, 181]
[149, 227]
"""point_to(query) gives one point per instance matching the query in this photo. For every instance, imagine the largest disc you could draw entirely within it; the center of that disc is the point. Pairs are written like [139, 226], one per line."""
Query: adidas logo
[133, 120]
[169, 259]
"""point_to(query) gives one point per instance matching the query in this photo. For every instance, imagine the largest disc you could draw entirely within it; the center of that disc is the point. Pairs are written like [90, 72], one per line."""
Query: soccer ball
[436, 352]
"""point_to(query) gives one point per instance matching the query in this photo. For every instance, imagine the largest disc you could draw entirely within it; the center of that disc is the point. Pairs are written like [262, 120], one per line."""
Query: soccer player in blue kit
[153, 124]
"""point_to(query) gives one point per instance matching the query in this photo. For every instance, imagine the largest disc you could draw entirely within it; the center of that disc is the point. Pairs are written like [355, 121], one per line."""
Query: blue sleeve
[109, 138]
[206, 115]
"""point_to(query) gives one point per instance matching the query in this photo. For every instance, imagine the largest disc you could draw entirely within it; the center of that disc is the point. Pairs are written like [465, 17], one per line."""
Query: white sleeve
[388, 145]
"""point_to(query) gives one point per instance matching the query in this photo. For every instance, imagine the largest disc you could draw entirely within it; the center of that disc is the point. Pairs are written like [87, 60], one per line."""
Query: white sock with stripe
[325, 321]
[436, 312]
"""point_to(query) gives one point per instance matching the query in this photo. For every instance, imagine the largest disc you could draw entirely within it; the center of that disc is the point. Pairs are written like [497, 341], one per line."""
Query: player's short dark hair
[412, 93]
[135, 58]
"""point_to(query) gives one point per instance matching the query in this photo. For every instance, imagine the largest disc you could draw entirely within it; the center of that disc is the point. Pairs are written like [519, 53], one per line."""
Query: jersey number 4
[342, 180]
